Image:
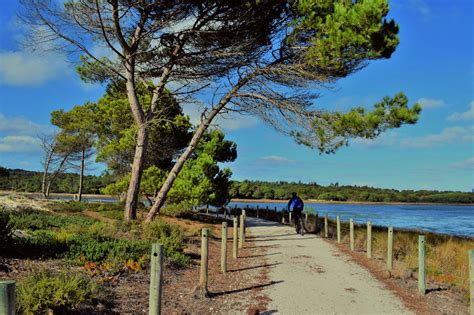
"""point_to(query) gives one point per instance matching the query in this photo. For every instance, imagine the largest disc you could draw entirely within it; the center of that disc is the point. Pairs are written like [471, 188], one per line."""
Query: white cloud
[447, 135]
[276, 159]
[430, 103]
[23, 126]
[11, 144]
[467, 115]
[467, 164]
[385, 140]
[20, 68]
[421, 7]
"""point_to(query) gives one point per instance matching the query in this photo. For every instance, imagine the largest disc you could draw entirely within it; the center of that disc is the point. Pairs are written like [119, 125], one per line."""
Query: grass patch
[59, 292]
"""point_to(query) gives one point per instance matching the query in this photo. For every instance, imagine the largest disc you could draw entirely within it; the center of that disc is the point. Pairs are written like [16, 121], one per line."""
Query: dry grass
[447, 262]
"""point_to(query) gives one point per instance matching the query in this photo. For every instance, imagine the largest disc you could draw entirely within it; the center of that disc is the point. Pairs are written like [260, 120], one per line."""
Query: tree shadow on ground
[255, 267]
[285, 239]
[262, 255]
[215, 294]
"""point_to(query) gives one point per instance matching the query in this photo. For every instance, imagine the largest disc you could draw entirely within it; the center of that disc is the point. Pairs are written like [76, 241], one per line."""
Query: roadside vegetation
[90, 246]
[447, 263]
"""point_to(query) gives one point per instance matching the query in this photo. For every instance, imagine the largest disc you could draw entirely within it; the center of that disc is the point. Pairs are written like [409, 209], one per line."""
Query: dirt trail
[313, 277]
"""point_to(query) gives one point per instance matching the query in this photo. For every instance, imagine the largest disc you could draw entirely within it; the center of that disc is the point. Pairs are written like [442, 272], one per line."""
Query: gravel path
[313, 277]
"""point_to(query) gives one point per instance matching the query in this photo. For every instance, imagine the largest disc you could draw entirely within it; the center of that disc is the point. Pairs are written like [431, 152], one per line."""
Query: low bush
[39, 220]
[84, 249]
[60, 292]
[6, 233]
[176, 210]
[172, 238]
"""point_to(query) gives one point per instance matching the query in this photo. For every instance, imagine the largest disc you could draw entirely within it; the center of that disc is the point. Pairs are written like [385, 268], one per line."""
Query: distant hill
[282, 190]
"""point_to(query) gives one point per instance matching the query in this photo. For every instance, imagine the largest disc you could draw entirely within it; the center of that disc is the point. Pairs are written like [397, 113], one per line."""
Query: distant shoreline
[315, 201]
[307, 201]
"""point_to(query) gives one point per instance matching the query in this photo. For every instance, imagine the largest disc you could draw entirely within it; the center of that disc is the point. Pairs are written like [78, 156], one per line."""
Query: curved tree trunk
[131, 201]
[161, 197]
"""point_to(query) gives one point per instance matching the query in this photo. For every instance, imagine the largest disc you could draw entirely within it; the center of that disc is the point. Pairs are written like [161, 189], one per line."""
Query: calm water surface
[447, 219]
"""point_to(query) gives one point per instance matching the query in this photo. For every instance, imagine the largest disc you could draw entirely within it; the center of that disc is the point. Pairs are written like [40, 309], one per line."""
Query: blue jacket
[295, 204]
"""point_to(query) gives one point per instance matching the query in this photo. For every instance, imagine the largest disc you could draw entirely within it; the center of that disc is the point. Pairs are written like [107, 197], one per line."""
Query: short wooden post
[351, 233]
[207, 209]
[338, 222]
[289, 220]
[471, 278]
[234, 236]
[326, 232]
[224, 247]
[156, 274]
[283, 219]
[7, 297]
[258, 212]
[204, 263]
[306, 217]
[369, 239]
[421, 265]
[244, 213]
[390, 249]
[241, 232]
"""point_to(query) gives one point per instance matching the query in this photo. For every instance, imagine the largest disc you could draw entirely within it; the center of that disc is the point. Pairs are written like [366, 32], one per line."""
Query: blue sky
[433, 65]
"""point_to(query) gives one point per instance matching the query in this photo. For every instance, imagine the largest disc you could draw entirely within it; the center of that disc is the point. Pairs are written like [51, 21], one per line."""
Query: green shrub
[171, 236]
[44, 290]
[39, 220]
[84, 249]
[176, 210]
[6, 233]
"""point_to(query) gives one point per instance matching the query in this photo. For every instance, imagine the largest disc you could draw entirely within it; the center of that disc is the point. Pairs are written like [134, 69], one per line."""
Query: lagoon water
[446, 219]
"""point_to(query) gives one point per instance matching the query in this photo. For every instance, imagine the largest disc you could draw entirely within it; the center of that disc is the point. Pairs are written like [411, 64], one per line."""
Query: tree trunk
[131, 201]
[47, 161]
[160, 198]
[81, 175]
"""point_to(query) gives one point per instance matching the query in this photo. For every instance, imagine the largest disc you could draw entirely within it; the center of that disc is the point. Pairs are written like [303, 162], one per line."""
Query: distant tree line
[30, 181]
[334, 192]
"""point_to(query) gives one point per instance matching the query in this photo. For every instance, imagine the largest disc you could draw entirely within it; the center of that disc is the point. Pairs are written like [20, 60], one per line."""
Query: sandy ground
[312, 277]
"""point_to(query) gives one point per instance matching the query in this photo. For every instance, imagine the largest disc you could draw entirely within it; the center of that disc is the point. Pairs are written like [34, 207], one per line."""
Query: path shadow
[265, 236]
[263, 255]
[255, 267]
[215, 294]
[436, 289]
[254, 222]
[264, 246]
[285, 239]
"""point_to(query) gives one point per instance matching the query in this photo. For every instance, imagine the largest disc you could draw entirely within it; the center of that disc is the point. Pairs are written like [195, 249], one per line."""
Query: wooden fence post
[156, 274]
[241, 232]
[326, 232]
[207, 209]
[351, 233]
[390, 249]
[224, 248]
[338, 222]
[421, 264]
[289, 219]
[471, 279]
[369, 239]
[234, 236]
[204, 263]
[258, 212]
[306, 217]
[7, 297]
